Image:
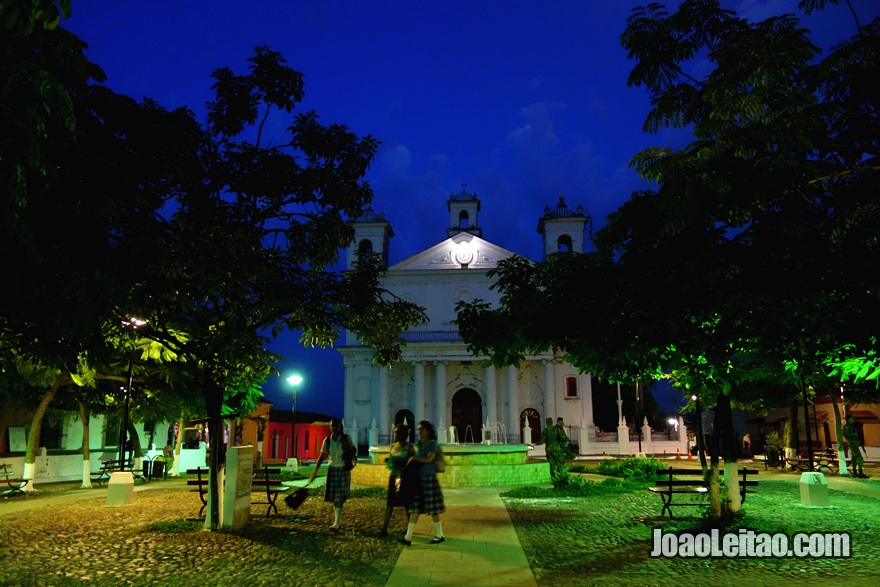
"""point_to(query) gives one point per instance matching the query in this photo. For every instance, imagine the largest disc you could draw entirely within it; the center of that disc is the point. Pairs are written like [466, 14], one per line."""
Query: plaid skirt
[338, 484]
[429, 498]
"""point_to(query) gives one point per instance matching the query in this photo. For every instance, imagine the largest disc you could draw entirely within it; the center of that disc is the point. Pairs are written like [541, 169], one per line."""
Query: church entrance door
[534, 419]
[408, 417]
[467, 415]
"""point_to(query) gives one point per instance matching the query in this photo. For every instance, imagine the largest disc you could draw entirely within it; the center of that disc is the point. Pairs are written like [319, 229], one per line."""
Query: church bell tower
[464, 209]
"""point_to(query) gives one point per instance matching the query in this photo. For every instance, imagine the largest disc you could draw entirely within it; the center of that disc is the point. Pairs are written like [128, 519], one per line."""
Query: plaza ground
[68, 536]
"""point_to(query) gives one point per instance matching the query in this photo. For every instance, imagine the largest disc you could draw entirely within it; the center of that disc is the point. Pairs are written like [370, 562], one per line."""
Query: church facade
[438, 379]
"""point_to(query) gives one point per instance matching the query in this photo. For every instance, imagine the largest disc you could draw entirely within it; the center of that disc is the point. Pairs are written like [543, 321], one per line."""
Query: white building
[438, 379]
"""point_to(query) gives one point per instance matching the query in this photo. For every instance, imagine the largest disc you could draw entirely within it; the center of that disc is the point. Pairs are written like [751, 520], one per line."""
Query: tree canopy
[752, 267]
[213, 236]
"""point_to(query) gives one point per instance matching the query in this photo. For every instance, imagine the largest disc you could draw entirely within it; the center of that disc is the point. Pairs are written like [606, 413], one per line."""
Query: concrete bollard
[814, 490]
[120, 488]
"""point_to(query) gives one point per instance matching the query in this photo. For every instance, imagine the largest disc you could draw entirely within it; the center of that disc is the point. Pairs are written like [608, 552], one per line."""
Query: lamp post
[294, 380]
[123, 433]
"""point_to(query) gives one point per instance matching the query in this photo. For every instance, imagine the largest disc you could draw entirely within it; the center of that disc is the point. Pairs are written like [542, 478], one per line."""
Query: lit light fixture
[294, 380]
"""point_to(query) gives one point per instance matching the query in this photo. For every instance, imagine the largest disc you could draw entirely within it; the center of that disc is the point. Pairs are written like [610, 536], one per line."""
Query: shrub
[631, 468]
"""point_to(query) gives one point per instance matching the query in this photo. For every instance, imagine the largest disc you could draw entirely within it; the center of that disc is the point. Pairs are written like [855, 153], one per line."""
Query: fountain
[467, 465]
[499, 433]
[466, 430]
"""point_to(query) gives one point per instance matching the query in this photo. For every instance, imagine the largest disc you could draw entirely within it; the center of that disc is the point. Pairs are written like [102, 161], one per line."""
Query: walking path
[481, 546]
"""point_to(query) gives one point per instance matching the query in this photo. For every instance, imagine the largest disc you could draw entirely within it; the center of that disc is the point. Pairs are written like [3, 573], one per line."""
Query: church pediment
[460, 251]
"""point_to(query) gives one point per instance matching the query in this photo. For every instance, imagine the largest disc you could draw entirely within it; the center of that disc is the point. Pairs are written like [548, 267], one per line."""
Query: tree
[120, 209]
[757, 250]
[247, 248]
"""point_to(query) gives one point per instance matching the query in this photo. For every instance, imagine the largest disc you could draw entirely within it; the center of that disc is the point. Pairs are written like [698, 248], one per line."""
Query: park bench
[672, 482]
[15, 484]
[201, 486]
[107, 469]
[821, 463]
[268, 481]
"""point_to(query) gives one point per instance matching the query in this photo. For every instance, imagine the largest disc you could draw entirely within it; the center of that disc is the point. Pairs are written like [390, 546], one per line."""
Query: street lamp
[294, 380]
[123, 433]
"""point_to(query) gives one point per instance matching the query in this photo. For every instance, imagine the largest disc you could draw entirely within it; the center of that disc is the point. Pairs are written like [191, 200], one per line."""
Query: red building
[278, 444]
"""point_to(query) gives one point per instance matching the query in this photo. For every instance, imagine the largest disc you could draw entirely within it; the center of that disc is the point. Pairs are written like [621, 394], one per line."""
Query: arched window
[463, 219]
[365, 247]
[564, 244]
[571, 387]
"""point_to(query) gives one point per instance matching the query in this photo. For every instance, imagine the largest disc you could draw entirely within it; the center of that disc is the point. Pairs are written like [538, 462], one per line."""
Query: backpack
[349, 454]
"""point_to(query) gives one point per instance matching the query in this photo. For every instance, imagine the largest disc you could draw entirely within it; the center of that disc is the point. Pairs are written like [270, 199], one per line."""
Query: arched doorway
[409, 417]
[534, 419]
[467, 415]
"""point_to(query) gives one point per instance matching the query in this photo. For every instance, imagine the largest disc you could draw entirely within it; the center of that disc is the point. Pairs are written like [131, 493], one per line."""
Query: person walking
[429, 497]
[549, 438]
[558, 447]
[747, 444]
[399, 455]
[338, 486]
[563, 440]
[854, 440]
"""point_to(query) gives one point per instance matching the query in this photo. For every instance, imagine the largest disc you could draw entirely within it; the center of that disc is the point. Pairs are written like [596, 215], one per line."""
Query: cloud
[396, 161]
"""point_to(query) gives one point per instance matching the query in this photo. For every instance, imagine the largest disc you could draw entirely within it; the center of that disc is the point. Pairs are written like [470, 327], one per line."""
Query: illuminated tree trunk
[792, 442]
[838, 425]
[33, 445]
[85, 417]
[178, 444]
[724, 445]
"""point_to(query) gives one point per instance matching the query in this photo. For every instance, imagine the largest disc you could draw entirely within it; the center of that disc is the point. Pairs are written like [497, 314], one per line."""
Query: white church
[437, 379]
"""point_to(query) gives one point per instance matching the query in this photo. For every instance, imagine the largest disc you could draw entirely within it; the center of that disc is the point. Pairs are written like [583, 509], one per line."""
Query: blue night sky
[523, 101]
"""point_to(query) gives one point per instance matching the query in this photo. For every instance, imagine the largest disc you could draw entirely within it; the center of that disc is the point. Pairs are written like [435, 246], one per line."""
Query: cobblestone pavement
[150, 542]
[607, 540]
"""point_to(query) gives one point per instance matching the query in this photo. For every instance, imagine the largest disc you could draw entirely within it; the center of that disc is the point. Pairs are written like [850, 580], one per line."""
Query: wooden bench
[15, 484]
[268, 480]
[108, 468]
[694, 484]
[201, 486]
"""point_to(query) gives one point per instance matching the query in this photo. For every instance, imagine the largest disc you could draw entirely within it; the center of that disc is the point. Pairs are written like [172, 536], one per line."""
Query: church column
[384, 407]
[587, 430]
[586, 384]
[419, 408]
[440, 393]
[549, 389]
[348, 386]
[491, 396]
[513, 431]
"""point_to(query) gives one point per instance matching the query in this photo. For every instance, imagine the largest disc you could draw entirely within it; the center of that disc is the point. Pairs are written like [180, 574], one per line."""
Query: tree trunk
[807, 423]
[792, 442]
[701, 441]
[137, 453]
[85, 417]
[178, 443]
[33, 445]
[723, 444]
[733, 502]
[838, 425]
[214, 403]
[713, 480]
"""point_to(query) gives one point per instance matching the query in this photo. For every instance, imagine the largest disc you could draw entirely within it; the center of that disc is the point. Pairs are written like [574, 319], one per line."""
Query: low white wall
[60, 468]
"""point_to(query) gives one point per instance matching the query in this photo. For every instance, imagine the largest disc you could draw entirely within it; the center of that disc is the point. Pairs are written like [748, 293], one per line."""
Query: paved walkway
[481, 546]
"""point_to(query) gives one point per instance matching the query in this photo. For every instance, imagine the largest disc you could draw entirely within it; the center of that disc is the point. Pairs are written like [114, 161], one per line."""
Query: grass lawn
[605, 538]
